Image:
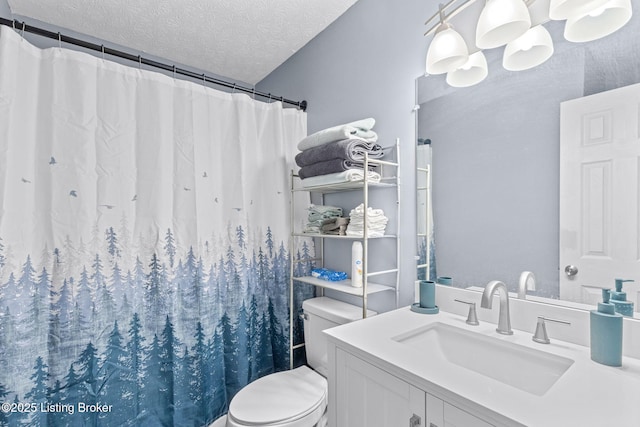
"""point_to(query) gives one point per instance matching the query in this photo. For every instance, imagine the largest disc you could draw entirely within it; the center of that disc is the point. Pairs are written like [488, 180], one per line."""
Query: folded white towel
[371, 224]
[358, 129]
[349, 175]
[359, 211]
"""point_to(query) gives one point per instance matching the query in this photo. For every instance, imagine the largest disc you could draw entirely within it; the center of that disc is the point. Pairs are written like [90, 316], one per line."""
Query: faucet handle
[541, 335]
[472, 318]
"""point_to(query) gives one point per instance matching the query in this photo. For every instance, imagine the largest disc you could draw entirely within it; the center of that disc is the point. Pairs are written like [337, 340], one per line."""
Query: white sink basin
[525, 368]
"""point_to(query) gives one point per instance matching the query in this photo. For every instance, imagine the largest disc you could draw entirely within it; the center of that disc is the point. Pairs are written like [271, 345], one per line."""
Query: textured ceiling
[240, 39]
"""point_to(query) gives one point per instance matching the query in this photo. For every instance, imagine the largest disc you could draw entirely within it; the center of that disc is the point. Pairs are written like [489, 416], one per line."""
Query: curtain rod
[22, 26]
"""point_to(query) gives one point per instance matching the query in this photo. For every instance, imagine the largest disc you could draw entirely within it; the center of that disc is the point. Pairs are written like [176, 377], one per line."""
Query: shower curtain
[143, 225]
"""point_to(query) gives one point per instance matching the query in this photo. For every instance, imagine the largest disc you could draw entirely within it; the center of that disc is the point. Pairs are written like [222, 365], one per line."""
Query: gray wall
[365, 65]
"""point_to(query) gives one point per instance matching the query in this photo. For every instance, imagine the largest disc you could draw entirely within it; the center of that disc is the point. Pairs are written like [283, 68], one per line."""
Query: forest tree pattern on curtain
[144, 265]
[169, 340]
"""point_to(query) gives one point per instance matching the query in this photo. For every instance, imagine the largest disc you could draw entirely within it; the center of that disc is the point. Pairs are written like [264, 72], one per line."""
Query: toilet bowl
[295, 398]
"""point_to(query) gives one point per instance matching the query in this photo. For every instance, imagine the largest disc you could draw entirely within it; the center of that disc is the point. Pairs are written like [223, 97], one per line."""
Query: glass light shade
[529, 50]
[599, 22]
[500, 22]
[472, 72]
[447, 51]
[565, 9]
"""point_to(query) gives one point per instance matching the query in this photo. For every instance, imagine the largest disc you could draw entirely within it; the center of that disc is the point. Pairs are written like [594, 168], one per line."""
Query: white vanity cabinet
[364, 395]
[379, 378]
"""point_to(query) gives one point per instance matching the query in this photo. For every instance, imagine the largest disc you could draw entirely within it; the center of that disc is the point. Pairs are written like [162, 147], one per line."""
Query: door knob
[571, 270]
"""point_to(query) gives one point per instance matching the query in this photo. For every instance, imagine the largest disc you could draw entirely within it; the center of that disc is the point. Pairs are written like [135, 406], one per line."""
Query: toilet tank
[320, 314]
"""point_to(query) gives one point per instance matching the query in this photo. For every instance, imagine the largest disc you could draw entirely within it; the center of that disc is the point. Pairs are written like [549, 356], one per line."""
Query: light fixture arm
[441, 12]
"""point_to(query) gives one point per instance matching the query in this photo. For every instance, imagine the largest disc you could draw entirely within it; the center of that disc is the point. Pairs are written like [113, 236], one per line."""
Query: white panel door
[599, 192]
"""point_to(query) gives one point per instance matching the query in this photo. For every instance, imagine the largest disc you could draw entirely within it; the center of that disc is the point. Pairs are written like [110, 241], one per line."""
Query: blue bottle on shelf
[606, 333]
[619, 299]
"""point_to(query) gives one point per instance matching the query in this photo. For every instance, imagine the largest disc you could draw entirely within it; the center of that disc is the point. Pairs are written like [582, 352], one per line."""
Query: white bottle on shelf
[356, 265]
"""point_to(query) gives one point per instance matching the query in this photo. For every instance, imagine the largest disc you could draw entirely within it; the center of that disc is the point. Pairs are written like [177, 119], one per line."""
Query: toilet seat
[295, 398]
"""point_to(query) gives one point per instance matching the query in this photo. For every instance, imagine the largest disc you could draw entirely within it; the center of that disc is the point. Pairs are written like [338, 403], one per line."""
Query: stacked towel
[330, 166]
[376, 222]
[346, 149]
[318, 214]
[340, 177]
[359, 129]
[338, 149]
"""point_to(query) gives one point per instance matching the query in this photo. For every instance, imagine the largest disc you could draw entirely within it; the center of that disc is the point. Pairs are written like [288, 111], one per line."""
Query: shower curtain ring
[140, 62]
[204, 80]
[174, 71]
[233, 89]
[254, 93]
[23, 27]
[269, 98]
[102, 48]
[59, 40]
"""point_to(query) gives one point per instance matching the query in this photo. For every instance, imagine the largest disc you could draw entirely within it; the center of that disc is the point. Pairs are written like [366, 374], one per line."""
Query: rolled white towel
[359, 211]
[358, 129]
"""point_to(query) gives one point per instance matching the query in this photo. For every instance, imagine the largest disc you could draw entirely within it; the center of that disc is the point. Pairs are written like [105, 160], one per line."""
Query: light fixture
[599, 22]
[508, 22]
[529, 50]
[447, 51]
[565, 9]
[472, 72]
[500, 22]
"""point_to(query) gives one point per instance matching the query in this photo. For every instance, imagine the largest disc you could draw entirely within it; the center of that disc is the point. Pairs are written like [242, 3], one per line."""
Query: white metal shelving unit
[390, 171]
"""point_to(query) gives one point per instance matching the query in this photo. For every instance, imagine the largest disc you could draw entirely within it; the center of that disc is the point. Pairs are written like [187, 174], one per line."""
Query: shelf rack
[387, 181]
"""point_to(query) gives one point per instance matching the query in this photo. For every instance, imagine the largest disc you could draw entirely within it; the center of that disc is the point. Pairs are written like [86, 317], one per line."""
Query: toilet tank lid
[333, 310]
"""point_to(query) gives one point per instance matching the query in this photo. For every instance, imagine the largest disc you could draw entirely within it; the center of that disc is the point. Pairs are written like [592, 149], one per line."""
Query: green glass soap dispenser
[619, 299]
[606, 333]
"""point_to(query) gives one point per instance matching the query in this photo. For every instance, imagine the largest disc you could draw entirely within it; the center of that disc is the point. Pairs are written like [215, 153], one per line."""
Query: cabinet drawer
[443, 414]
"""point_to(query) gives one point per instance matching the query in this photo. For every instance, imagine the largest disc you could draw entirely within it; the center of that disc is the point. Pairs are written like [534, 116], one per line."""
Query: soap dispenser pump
[619, 299]
[606, 333]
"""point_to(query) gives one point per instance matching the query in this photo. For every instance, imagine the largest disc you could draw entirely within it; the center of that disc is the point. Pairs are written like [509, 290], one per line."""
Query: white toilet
[295, 398]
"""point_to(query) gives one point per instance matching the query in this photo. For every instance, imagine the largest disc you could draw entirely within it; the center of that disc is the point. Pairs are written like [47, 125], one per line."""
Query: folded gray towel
[331, 166]
[334, 223]
[347, 149]
[337, 226]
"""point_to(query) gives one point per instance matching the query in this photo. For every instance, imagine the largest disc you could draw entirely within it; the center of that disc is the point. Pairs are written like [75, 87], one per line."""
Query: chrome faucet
[527, 283]
[504, 324]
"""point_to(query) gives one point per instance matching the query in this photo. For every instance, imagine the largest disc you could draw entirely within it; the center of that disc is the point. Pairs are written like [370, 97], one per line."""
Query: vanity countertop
[587, 394]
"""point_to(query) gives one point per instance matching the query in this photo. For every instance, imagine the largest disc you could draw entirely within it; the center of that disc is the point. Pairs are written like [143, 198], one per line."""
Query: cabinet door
[367, 396]
[435, 412]
[443, 414]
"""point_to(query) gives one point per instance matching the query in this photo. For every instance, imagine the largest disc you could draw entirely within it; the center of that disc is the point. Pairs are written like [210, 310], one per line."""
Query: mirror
[496, 158]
